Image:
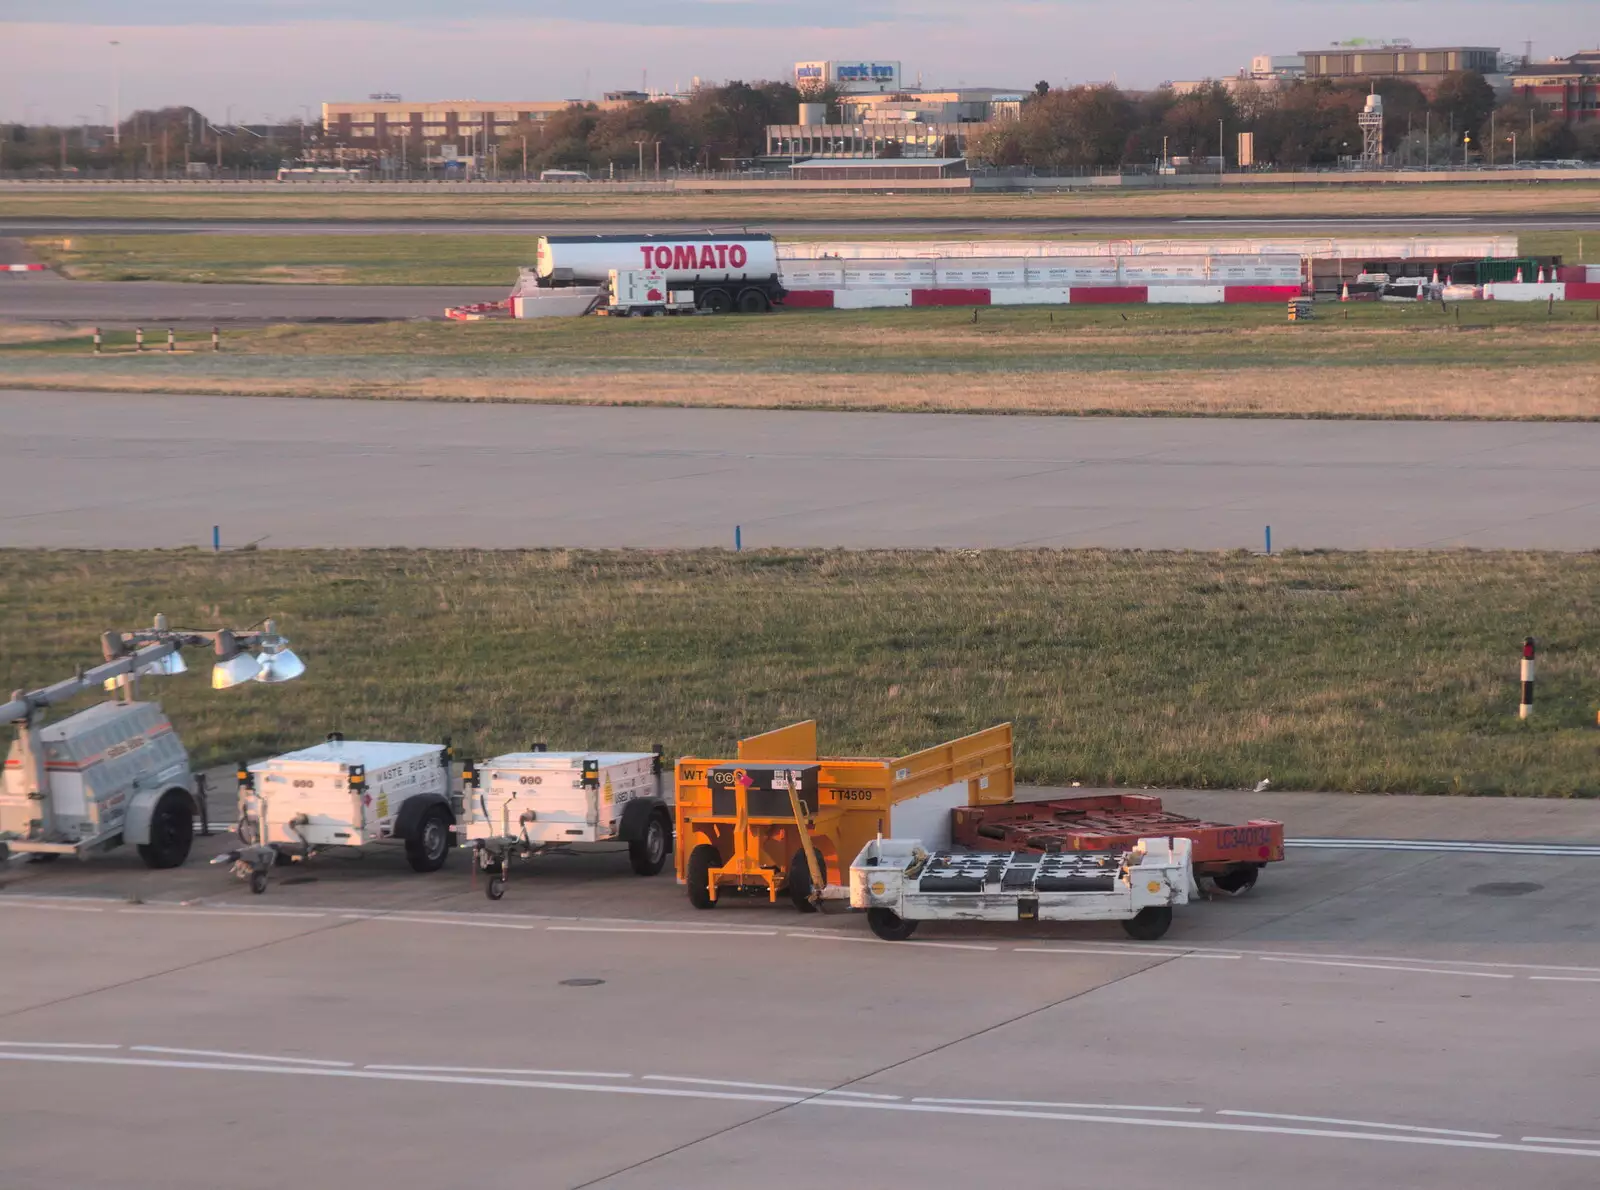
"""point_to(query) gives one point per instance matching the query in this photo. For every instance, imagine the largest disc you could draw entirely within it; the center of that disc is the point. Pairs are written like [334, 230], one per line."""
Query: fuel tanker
[725, 272]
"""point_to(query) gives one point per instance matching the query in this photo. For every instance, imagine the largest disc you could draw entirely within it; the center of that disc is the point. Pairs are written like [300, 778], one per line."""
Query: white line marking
[1267, 1115]
[1385, 967]
[496, 1070]
[821, 937]
[1558, 1140]
[62, 908]
[434, 921]
[62, 1045]
[828, 1101]
[663, 930]
[1071, 1106]
[1566, 978]
[1126, 952]
[1449, 847]
[167, 1049]
[715, 1082]
[150, 911]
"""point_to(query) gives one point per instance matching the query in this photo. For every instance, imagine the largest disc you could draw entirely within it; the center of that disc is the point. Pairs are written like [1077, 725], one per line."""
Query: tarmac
[102, 470]
[47, 297]
[1361, 1017]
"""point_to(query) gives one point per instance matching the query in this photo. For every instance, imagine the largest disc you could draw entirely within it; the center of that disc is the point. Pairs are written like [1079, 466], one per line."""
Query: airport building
[382, 121]
[1567, 88]
[1423, 66]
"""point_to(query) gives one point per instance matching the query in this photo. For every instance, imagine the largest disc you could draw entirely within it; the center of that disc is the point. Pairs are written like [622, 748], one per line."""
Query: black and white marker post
[1526, 708]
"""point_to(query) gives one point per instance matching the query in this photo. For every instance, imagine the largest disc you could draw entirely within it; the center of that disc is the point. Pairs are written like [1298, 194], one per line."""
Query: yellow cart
[776, 818]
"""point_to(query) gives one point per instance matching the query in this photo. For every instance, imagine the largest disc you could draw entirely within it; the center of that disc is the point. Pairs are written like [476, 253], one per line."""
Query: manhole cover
[298, 880]
[1505, 888]
[581, 983]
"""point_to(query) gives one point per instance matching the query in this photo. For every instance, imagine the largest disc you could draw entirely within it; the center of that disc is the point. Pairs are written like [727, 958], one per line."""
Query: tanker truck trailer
[724, 273]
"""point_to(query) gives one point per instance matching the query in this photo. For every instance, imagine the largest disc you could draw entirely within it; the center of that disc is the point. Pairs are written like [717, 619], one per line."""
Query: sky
[280, 59]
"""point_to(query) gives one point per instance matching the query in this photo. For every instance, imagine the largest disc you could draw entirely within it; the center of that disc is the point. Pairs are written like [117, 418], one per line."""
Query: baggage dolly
[899, 883]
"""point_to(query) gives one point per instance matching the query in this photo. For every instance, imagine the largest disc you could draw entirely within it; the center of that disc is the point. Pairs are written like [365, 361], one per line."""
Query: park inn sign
[852, 75]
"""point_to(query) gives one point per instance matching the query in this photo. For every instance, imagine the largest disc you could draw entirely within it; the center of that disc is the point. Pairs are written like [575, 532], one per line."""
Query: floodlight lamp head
[277, 661]
[165, 667]
[232, 665]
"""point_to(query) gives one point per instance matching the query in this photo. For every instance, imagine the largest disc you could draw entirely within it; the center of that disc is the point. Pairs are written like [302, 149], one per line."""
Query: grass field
[1389, 672]
[1526, 198]
[423, 258]
[1478, 360]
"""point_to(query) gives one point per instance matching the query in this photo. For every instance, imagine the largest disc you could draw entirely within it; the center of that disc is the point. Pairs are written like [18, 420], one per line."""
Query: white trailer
[527, 803]
[117, 773]
[645, 292]
[345, 794]
[899, 883]
[724, 272]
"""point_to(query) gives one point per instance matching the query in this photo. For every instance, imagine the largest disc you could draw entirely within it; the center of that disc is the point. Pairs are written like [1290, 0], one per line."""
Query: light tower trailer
[345, 794]
[899, 883]
[116, 772]
[528, 803]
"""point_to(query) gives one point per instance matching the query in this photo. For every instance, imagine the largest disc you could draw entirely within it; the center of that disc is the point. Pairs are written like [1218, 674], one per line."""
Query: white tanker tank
[725, 272]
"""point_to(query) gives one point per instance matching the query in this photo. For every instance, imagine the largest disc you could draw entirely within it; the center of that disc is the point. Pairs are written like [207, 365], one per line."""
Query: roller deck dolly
[899, 883]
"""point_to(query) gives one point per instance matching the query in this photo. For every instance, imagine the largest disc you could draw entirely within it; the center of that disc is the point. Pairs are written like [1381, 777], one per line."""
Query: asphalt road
[106, 470]
[1108, 225]
[46, 297]
[1360, 1018]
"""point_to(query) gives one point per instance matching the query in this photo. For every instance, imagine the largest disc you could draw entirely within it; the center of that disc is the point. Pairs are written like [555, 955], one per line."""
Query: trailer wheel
[800, 880]
[1237, 880]
[1149, 923]
[753, 301]
[648, 855]
[171, 831]
[430, 842]
[701, 860]
[715, 301]
[496, 887]
[889, 925]
[258, 882]
[246, 830]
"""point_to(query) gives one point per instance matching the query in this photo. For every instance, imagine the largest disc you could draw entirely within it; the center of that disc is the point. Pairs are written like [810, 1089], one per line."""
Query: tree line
[1302, 123]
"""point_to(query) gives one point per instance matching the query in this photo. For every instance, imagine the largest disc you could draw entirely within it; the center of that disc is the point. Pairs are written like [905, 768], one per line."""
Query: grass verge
[1385, 672]
[1409, 360]
[1421, 200]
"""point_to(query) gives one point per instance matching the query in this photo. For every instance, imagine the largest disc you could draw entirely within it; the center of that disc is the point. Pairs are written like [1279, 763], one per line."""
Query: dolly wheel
[258, 882]
[889, 925]
[1149, 923]
[496, 887]
[1237, 880]
[701, 860]
[800, 880]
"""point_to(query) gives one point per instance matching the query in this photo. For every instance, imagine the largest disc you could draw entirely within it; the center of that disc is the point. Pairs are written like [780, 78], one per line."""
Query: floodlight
[232, 665]
[281, 666]
[165, 667]
[276, 662]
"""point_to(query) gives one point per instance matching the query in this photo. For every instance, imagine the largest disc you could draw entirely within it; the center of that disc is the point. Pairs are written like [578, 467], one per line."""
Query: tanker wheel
[1149, 923]
[715, 301]
[701, 860]
[496, 887]
[889, 925]
[800, 880]
[753, 301]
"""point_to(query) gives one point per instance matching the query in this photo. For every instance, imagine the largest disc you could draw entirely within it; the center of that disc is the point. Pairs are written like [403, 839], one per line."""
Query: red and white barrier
[891, 297]
[23, 268]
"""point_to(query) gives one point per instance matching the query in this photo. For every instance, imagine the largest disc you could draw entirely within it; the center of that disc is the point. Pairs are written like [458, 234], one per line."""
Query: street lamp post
[1513, 139]
[116, 95]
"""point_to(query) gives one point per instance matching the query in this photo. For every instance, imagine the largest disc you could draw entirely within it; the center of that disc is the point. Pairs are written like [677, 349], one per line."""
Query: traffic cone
[1436, 275]
[1519, 274]
[1344, 294]
[1422, 293]
[1541, 274]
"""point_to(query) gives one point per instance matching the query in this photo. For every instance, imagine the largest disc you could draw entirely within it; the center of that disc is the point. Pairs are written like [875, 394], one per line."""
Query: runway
[124, 470]
[1360, 1018]
[45, 297]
